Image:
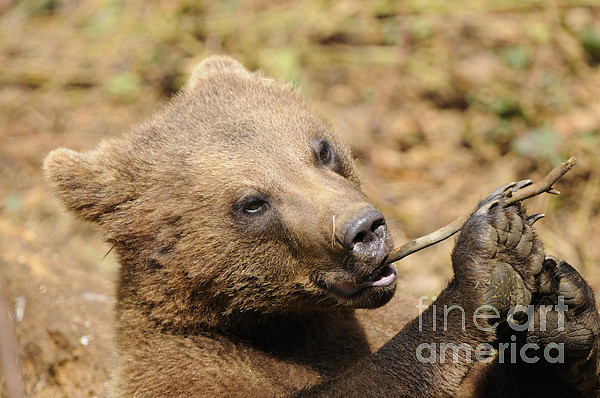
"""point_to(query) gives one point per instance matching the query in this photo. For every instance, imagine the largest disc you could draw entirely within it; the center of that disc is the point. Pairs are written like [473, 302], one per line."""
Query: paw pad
[506, 289]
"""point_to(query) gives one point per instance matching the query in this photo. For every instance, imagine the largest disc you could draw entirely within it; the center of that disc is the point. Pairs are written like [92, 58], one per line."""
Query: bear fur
[248, 252]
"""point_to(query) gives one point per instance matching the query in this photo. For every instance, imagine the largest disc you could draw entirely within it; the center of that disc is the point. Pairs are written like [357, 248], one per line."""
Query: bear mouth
[383, 276]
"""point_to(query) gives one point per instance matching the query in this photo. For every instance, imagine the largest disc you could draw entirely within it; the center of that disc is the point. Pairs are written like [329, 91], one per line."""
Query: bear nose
[366, 234]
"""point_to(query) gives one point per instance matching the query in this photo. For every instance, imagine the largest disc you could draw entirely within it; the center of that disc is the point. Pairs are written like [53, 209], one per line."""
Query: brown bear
[247, 250]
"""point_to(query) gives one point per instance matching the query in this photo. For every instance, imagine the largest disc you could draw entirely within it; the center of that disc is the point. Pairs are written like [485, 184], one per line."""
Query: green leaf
[516, 57]
[539, 144]
[125, 86]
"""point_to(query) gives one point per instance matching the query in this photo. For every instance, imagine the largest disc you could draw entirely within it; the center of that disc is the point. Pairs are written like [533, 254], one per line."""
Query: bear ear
[214, 65]
[89, 184]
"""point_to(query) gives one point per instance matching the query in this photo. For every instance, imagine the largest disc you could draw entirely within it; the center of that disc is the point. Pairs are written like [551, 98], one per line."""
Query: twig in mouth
[544, 185]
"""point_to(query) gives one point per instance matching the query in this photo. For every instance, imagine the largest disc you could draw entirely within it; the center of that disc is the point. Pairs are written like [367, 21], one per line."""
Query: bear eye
[325, 154]
[253, 205]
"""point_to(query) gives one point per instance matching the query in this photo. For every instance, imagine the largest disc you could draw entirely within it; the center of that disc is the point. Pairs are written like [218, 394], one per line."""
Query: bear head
[235, 201]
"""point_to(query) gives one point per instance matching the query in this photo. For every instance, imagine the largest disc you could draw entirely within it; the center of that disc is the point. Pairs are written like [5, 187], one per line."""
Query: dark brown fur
[217, 299]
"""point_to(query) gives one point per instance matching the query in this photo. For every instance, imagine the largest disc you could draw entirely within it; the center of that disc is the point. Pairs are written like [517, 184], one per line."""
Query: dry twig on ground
[9, 353]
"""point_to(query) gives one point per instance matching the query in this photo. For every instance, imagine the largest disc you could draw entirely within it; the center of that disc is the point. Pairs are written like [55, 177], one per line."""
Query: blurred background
[440, 101]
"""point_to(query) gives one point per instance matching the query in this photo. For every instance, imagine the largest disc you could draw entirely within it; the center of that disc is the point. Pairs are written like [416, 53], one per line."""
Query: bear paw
[498, 252]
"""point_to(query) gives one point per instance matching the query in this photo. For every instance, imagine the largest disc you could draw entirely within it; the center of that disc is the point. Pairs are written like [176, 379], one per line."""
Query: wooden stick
[544, 185]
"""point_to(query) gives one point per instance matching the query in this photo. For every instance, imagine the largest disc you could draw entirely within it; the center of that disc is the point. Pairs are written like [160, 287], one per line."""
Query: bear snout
[364, 234]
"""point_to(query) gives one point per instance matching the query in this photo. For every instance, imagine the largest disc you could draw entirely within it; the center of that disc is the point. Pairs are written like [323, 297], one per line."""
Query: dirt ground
[440, 101]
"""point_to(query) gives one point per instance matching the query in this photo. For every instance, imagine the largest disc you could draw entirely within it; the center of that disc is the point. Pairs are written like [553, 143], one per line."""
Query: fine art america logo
[486, 318]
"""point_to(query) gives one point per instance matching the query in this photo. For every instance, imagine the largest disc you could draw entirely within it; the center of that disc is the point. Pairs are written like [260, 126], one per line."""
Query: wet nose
[366, 234]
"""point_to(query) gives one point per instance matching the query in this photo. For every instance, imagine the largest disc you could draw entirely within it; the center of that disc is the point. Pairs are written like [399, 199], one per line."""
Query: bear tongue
[383, 276]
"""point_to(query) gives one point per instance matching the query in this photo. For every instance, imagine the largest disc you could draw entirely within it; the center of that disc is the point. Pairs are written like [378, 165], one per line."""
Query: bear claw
[485, 208]
[522, 184]
[534, 218]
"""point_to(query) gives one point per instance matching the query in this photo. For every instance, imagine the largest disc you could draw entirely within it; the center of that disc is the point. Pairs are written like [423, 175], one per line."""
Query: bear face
[236, 201]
